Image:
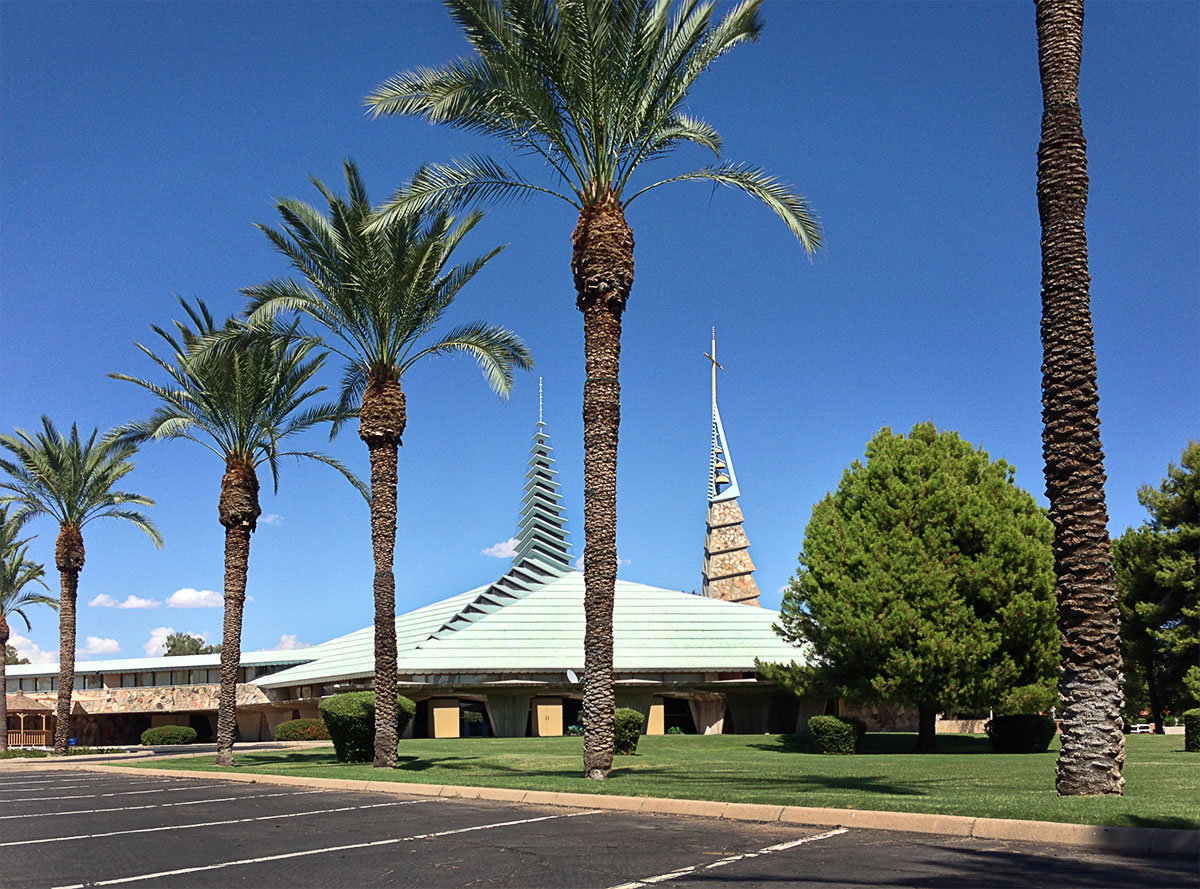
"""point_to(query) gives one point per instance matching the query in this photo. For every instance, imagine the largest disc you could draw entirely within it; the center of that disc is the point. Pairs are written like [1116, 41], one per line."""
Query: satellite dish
[572, 678]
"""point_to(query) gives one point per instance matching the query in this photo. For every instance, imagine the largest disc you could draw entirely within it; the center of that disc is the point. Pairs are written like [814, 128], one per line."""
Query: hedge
[627, 728]
[350, 719]
[834, 735]
[169, 734]
[1020, 734]
[302, 730]
[1191, 730]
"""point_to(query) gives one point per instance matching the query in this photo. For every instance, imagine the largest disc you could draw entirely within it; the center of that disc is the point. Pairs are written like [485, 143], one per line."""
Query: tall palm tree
[72, 481]
[595, 89]
[1093, 748]
[380, 293]
[17, 573]
[241, 392]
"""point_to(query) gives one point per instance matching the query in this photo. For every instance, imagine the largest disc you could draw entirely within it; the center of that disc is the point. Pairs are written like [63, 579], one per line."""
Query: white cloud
[271, 518]
[783, 589]
[288, 642]
[505, 549]
[106, 601]
[27, 648]
[190, 598]
[96, 645]
[157, 643]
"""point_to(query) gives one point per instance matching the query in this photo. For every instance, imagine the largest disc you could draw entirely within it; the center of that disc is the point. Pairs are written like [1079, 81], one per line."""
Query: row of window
[155, 679]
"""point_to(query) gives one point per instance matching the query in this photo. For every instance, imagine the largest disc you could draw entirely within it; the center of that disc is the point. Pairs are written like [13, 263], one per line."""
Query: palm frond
[496, 350]
[756, 182]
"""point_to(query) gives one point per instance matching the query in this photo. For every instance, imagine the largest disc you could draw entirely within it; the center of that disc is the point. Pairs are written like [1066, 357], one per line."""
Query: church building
[504, 659]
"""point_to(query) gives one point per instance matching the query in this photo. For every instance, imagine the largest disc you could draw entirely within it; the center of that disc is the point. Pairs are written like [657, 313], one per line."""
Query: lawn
[1162, 781]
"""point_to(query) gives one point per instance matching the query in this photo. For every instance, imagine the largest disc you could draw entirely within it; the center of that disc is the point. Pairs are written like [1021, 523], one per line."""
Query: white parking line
[194, 802]
[326, 850]
[36, 799]
[117, 833]
[721, 862]
[70, 785]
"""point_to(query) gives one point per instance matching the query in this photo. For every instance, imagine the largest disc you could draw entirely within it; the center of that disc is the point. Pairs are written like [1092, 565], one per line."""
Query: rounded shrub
[169, 734]
[627, 728]
[302, 730]
[350, 720]
[1020, 734]
[1191, 730]
[675, 730]
[834, 735]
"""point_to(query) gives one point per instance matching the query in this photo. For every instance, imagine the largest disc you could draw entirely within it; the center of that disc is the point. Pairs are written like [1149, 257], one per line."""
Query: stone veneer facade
[728, 568]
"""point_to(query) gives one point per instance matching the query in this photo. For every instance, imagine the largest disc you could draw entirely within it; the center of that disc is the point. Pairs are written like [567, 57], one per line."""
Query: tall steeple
[541, 532]
[728, 570]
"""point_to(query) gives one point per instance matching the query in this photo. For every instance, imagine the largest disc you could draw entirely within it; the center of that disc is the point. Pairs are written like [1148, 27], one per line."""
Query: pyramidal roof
[531, 620]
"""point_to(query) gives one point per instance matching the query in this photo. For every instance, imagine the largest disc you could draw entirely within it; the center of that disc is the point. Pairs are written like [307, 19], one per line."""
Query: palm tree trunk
[239, 512]
[1093, 748]
[602, 263]
[69, 557]
[381, 425]
[4, 634]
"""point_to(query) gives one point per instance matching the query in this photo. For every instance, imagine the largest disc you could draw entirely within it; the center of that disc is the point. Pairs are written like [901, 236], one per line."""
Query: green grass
[35, 753]
[965, 778]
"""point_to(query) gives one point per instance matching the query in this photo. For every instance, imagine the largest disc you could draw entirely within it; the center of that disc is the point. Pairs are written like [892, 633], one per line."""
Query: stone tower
[728, 569]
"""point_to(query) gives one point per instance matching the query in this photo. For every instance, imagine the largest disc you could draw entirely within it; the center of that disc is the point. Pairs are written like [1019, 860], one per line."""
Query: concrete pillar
[509, 714]
[656, 724]
[750, 712]
[708, 712]
[636, 700]
[443, 717]
[547, 717]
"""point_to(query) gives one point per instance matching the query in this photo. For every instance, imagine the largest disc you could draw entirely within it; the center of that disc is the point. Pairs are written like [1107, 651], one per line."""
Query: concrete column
[508, 714]
[750, 713]
[656, 724]
[639, 701]
[708, 712]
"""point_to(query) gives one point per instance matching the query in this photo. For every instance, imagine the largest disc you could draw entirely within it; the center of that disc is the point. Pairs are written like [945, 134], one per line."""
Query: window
[179, 677]
[161, 678]
[92, 680]
[145, 680]
[127, 680]
[46, 683]
[12, 685]
[197, 677]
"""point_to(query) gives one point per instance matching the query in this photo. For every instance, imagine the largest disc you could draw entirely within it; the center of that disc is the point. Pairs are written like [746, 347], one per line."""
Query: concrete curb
[1128, 840]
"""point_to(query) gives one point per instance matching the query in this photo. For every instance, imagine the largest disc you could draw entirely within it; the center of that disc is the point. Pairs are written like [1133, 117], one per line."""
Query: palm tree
[1093, 748]
[17, 572]
[241, 402]
[594, 89]
[72, 481]
[380, 293]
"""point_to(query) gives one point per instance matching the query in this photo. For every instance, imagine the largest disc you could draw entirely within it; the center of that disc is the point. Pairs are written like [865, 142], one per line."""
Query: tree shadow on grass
[881, 744]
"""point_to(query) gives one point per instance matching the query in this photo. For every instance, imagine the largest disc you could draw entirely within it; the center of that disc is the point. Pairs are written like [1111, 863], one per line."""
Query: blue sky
[139, 144]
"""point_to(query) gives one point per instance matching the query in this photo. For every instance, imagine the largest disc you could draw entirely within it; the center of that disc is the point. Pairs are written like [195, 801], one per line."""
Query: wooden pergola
[25, 735]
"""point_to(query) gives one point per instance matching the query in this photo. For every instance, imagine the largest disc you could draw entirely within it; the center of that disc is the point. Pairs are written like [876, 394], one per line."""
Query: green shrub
[674, 730]
[627, 728]
[169, 734]
[1022, 733]
[834, 735]
[1028, 699]
[860, 729]
[350, 720]
[302, 730]
[575, 730]
[1191, 730]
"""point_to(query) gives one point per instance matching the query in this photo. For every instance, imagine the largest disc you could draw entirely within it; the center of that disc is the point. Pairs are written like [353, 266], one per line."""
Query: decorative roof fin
[541, 533]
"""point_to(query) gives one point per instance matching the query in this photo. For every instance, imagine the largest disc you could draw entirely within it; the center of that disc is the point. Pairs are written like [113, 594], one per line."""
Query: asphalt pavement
[64, 828]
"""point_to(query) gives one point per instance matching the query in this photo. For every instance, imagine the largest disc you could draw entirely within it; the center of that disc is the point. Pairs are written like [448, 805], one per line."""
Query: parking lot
[66, 828]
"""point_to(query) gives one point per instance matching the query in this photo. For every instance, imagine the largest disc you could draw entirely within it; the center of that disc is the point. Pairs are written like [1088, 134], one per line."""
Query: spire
[541, 532]
[728, 570]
